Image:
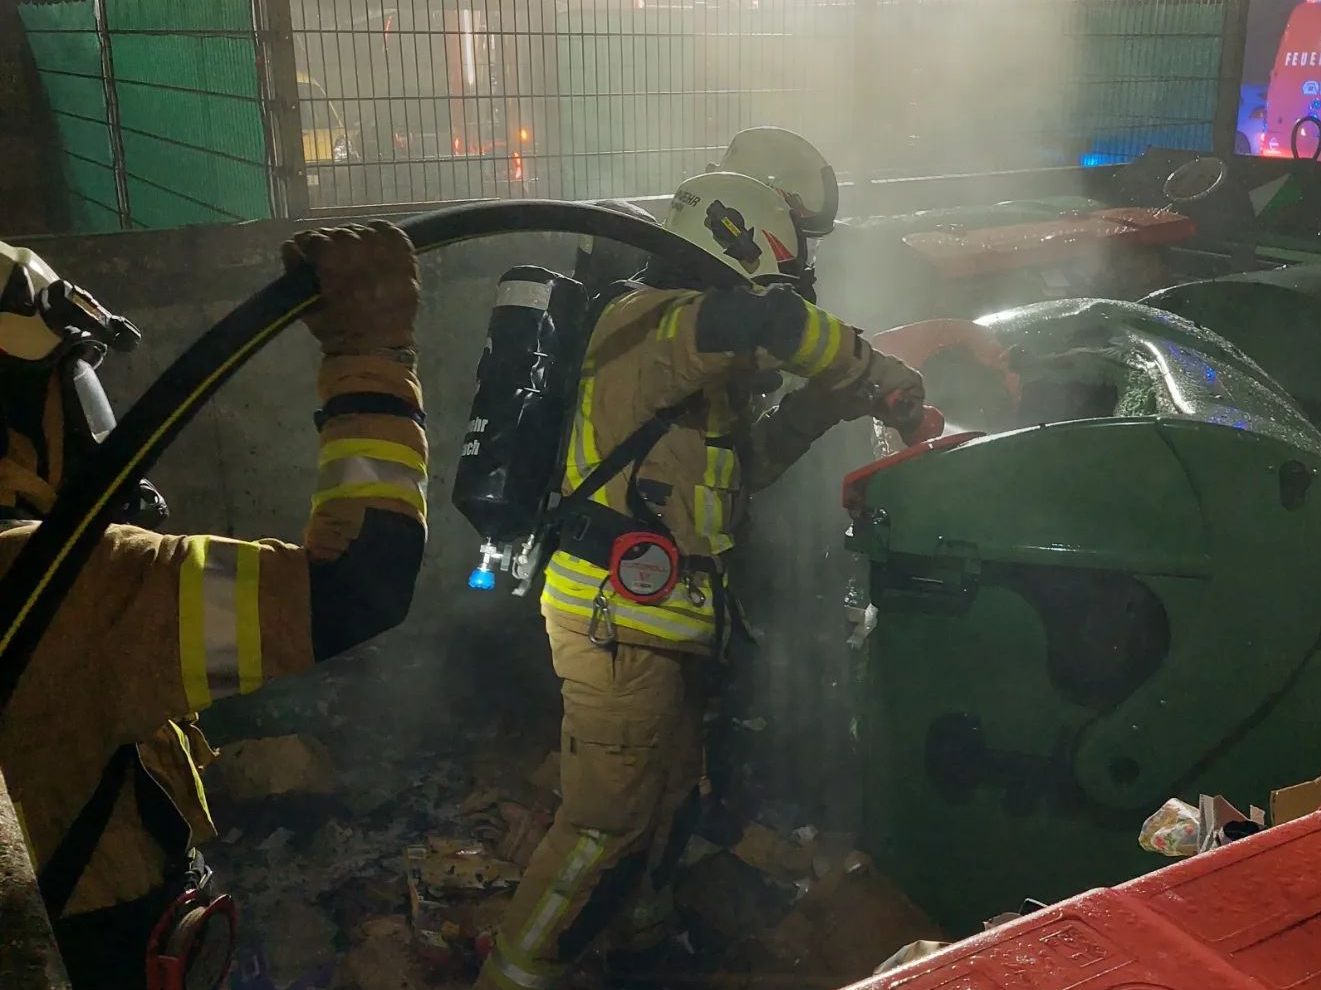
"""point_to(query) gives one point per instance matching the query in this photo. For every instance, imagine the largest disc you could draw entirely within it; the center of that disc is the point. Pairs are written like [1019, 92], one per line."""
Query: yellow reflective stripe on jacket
[822, 336]
[572, 585]
[187, 747]
[585, 576]
[709, 518]
[364, 468]
[668, 327]
[583, 453]
[710, 498]
[219, 619]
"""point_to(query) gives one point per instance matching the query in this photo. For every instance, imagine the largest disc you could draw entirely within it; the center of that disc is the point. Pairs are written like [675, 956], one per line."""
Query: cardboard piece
[258, 768]
[1289, 803]
[777, 857]
[1222, 823]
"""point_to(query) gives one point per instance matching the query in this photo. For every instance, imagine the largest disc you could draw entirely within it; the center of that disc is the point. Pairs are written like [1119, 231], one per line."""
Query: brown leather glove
[888, 390]
[369, 287]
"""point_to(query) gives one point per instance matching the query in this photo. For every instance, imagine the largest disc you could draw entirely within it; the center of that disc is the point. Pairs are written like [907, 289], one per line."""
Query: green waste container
[1274, 316]
[1112, 600]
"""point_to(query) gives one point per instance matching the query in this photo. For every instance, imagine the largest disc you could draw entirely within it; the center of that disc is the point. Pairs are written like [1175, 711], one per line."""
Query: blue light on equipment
[481, 579]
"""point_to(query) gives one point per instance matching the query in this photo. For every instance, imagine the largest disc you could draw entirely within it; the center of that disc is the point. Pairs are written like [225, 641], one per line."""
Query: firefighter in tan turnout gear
[635, 601]
[157, 627]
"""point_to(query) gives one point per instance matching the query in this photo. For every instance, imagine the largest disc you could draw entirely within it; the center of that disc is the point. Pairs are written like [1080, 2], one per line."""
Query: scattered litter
[1172, 830]
[726, 898]
[806, 835]
[457, 893]
[458, 866]
[845, 918]
[383, 957]
[525, 828]
[259, 768]
[697, 850]
[298, 940]
[1003, 918]
[1289, 803]
[778, 857]
[276, 841]
[911, 952]
[1222, 823]
[1179, 829]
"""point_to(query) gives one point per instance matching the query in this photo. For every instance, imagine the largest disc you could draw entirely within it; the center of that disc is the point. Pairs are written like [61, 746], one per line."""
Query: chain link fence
[410, 101]
[417, 101]
[230, 110]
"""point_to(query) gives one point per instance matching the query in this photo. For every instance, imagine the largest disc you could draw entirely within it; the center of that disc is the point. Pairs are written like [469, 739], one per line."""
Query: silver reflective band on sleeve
[356, 468]
[529, 295]
[369, 470]
[219, 619]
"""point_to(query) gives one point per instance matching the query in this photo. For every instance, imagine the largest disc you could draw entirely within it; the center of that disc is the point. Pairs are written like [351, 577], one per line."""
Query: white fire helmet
[743, 222]
[789, 163]
[24, 334]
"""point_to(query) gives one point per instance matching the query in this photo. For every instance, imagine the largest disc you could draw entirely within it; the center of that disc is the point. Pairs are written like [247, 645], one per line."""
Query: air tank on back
[512, 454]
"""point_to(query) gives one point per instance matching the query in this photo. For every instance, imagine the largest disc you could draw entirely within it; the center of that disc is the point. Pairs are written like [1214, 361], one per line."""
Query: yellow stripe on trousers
[554, 903]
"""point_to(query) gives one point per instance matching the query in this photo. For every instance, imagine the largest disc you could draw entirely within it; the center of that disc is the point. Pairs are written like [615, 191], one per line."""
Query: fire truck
[1293, 98]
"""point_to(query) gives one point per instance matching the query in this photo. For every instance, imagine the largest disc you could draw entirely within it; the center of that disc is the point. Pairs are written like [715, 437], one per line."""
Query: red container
[1243, 917]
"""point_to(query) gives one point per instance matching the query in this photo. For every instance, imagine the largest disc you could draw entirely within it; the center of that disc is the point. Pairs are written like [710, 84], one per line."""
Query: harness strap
[160, 819]
[60, 875]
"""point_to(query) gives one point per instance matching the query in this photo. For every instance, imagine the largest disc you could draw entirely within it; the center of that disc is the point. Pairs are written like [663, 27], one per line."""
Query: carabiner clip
[695, 594]
[601, 616]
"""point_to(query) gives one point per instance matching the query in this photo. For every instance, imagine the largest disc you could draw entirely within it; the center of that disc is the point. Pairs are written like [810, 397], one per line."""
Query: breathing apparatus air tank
[512, 456]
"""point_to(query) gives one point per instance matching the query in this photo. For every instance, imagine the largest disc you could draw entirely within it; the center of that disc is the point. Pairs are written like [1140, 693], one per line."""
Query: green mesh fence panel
[188, 103]
[592, 98]
[63, 40]
[189, 110]
[1148, 75]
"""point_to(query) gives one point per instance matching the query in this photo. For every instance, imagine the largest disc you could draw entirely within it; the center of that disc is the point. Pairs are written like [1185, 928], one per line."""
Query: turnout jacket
[690, 352]
[158, 627]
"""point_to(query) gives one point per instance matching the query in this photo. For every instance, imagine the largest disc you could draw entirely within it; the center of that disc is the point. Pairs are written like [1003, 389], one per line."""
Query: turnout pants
[630, 765]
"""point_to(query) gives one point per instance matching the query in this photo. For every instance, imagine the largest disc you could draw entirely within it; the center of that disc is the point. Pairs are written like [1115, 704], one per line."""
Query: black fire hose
[46, 567]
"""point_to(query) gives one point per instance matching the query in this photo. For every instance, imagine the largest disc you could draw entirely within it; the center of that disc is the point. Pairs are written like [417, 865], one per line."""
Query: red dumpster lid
[958, 254]
[855, 482]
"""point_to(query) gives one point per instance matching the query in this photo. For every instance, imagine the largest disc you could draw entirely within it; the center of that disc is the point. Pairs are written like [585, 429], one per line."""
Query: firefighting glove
[369, 287]
[888, 390]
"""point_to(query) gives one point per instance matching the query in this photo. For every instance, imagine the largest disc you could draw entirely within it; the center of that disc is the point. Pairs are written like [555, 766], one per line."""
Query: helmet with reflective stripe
[743, 222]
[53, 410]
[790, 164]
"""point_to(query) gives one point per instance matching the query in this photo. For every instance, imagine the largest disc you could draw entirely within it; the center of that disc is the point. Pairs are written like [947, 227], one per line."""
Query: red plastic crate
[1243, 917]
